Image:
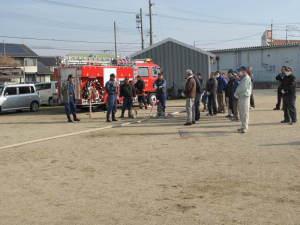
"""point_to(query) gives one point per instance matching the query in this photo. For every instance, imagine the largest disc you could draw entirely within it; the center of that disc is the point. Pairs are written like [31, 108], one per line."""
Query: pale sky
[211, 23]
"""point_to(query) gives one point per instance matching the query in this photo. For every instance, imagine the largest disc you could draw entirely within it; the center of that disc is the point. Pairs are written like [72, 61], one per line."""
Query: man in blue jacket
[222, 83]
[111, 88]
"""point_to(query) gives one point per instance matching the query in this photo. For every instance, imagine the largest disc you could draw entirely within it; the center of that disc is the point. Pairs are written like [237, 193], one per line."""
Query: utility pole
[150, 18]
[115, 35]
[286, 35]
[4, 48]
[272, 33]
[140, 27]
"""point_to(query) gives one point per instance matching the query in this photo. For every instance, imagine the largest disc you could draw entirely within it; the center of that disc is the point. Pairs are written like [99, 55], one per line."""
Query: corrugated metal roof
[254, 48]
[16, 51]
[176, 42]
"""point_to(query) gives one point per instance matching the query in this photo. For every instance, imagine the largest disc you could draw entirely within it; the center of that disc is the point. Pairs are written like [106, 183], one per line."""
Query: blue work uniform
[161, 93]
[69, 100]
[111, 88]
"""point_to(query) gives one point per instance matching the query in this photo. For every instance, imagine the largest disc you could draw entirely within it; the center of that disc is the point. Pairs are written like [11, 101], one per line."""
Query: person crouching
[127, 92]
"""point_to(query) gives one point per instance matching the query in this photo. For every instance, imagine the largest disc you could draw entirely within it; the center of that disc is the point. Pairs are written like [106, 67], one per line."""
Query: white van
[14, 97]
[48, 92]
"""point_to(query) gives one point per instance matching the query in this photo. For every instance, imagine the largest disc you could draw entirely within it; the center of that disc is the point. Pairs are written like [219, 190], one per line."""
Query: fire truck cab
[149, 72]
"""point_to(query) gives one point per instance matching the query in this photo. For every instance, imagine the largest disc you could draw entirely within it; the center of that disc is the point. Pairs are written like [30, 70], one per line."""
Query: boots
[69, 119]
[122, 114]
[75, 118]
[114, 117]
[108, 118]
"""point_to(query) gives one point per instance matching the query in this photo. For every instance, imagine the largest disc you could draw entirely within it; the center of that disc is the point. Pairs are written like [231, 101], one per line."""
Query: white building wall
[266, 62]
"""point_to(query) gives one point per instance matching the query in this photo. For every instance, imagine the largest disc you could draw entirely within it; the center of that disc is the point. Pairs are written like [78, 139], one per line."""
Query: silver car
[18, 97]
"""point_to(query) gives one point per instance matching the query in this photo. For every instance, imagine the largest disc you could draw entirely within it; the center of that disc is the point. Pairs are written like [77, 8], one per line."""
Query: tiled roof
[16, 51]
[284, 42]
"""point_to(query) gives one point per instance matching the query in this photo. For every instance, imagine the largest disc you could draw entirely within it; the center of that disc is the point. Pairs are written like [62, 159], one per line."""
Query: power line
[211, 21]
[77, 49]
[230, 40]
[52, 2]
[65, 40]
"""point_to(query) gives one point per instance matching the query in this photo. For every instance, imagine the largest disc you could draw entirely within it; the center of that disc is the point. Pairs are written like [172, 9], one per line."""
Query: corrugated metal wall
[175, 59]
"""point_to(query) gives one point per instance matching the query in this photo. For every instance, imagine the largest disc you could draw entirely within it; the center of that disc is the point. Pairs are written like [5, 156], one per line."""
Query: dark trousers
[235, 110]
[230, 104]
[142, 100]
[279, 98]
[70, 107]
[197, 106]
[127, 104]
[289, 107]
[162, 103]
[212, 104]
[252, 101]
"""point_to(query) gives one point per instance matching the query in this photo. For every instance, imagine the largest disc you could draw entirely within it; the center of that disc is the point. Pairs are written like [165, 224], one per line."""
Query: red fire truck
[90, 80]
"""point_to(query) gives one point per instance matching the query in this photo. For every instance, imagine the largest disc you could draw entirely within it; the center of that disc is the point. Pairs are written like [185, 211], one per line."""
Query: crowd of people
[234, 90]
[230, 92]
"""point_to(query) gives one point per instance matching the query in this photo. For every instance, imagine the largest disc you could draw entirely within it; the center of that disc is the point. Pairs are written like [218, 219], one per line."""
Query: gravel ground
[156, 172]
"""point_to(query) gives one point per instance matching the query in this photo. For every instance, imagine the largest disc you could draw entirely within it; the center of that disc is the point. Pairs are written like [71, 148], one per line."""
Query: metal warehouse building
[265, 60]
[175, 58]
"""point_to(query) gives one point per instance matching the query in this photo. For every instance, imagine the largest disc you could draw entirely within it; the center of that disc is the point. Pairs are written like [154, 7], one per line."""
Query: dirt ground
[156, 172]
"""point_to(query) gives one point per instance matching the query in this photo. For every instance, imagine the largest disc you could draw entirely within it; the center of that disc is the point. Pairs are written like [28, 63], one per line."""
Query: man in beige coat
[243, 94]
[190, 93]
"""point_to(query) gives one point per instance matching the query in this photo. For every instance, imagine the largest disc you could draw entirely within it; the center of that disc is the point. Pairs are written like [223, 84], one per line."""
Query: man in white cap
[190, 93]
[243, 94]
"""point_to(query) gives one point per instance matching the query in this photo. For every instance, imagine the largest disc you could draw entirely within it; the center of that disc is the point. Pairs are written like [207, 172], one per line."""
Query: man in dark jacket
[140, 90]
[190, 93]
[289, 97]
[279, 78]
[127, 92]
[229, 94]
[211, 91]
[199, 83]
[161, 94]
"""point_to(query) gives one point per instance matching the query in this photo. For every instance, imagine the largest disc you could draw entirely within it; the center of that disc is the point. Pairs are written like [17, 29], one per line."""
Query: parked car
[48, 92]
[14, 97]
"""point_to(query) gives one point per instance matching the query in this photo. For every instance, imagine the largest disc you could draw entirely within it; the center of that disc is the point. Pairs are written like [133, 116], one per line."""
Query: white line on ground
[73, 134]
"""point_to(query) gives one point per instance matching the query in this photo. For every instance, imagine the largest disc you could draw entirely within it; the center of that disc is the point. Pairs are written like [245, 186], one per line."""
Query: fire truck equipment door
[108, 72]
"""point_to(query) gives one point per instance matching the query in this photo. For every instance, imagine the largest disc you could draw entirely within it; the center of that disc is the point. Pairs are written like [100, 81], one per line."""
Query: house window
[30, 62]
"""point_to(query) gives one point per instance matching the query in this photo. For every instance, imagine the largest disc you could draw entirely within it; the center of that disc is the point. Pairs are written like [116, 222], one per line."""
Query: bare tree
[8, 61]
